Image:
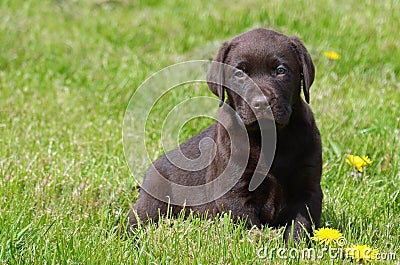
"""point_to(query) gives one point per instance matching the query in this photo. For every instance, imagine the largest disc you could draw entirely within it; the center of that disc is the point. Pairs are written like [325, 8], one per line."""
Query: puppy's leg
[304, 216]
[146, 209]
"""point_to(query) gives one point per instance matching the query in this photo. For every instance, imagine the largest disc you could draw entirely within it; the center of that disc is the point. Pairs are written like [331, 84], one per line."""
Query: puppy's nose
[260, 103]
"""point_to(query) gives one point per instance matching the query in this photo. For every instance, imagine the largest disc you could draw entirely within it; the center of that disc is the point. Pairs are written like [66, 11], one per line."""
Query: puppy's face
[266, 78]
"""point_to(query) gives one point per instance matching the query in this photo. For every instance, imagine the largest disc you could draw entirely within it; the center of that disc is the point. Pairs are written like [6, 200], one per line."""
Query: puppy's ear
[307, 66]
[216, 75]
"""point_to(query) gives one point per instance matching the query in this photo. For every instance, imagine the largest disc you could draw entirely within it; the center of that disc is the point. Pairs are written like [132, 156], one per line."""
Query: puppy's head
[262, 71]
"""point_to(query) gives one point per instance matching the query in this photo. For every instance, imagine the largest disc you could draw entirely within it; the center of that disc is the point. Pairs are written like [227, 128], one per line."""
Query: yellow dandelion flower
[327, 236]
[358, 162]
[362, 253]
[332, 55]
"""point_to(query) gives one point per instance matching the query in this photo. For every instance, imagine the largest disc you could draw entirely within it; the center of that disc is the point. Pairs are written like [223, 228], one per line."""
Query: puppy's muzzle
[261, 108]
[259, 104]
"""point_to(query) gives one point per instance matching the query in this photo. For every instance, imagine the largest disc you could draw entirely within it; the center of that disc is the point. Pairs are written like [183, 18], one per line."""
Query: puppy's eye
[280, 70]
[239, 74]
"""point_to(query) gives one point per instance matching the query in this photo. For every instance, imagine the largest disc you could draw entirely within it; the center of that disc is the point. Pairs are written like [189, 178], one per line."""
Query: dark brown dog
[289, 193]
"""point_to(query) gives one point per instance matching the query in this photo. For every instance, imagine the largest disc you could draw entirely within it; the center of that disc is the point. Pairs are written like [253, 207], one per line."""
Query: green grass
[69, 68]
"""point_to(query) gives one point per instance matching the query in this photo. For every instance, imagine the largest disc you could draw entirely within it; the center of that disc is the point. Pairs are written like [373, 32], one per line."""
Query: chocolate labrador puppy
[279, 190]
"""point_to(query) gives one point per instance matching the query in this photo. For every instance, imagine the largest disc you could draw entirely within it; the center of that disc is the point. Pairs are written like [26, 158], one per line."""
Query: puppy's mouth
[260, 122]
[256, 119]
[263, 121]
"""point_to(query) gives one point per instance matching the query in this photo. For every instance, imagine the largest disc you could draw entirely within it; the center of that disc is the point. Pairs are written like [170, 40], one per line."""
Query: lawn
[68, 70]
